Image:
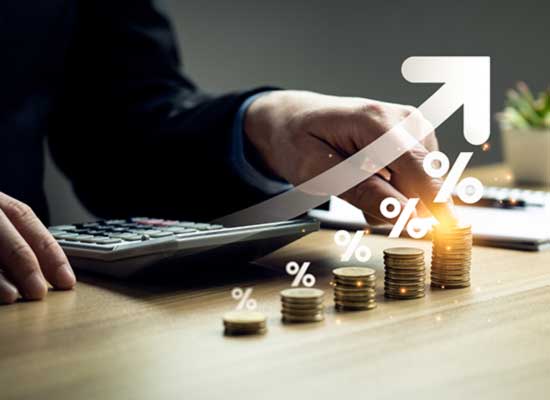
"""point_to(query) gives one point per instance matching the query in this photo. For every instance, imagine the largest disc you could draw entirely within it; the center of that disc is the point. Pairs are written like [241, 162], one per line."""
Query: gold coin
[352, 290]
[404, 277]
[446, 285]
[404, 297]
[355, 284]
[244, 317]
[353, 272]
[233, 332]
[296, 318]
[339, 307]
[293, 311]
[302, 294]
[403, 252]
[359, 299]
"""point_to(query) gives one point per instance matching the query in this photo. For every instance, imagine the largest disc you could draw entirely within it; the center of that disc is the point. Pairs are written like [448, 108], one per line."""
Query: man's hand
[29, 255]
[301, 134]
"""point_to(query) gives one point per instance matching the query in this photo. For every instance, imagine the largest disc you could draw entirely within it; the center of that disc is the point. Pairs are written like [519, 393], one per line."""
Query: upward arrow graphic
[466, 82]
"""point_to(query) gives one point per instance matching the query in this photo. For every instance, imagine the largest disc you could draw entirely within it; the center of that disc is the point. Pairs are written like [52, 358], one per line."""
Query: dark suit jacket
[101, 80]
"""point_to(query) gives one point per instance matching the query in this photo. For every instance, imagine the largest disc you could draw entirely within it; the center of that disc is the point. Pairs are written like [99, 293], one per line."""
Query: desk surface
[109, 340]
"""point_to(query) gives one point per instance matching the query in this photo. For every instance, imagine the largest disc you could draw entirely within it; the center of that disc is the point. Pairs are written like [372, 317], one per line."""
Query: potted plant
[525, 129]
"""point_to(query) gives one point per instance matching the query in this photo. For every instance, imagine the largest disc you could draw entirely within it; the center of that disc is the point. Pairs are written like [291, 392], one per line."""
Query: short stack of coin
[451, 256]
[302, 305]
[405, 273]
[354, 288]
[244, 323]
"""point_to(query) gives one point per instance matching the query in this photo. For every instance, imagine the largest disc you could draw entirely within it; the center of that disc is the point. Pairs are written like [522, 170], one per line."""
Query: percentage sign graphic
[244, 298]
[343, 239]
[299, 273]
[391, 208]
[469, 189]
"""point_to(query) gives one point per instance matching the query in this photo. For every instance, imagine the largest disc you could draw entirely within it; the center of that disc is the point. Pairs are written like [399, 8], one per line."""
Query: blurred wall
[352, 48]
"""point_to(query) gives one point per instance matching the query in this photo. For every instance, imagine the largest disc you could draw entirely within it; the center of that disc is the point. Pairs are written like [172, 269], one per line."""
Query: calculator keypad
[120, 231]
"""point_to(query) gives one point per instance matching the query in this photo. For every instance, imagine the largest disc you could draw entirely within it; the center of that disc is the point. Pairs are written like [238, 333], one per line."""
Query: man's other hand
[29, 255]
[301, 134]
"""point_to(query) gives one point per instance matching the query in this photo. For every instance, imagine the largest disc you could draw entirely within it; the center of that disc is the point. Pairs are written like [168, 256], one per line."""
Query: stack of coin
[451, 256]
[354, 288]
[405, 273]
[302, 305]
[244, 323]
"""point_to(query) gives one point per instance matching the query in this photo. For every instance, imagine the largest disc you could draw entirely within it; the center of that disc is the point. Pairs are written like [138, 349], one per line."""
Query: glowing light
[442, 286]
[330, 155]
[438, 318]
[403, 290]
[367, 231]
[513, 201]
[508, 177]
[486, 146]
[359, 283]
[338, 321]
[448, 248]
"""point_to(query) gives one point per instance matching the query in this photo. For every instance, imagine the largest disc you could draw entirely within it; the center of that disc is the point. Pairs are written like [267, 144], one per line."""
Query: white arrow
[455, 72]
[470, 78]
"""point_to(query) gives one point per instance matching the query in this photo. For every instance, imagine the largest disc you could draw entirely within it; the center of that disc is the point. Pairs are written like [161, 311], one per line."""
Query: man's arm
[133, 134]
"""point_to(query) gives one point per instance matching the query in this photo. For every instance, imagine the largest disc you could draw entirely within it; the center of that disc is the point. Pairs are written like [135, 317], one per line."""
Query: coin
[353, 272]
[404, 273]
[403, 252]
[354, 288]
[302, 294]
[244, 323]
[303, 318]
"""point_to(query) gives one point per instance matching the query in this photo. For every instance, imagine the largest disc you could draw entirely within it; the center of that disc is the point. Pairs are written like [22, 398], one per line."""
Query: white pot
[527, 153]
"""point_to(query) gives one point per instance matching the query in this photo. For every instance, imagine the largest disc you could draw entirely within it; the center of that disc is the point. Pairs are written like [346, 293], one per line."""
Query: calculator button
[108, 241]
[177, 230]
[62, 228]
[202, 227]
[185, 224]
[92, 239]
[63, 235]
[214, 227]
[114, 221]
[168, 223]
[160, 234]
[79, 238]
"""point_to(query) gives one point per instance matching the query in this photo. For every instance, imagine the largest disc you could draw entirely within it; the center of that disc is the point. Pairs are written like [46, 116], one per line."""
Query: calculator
[124, 247]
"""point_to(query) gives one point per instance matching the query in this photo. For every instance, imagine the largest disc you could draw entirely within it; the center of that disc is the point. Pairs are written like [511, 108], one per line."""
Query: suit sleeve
[132, 133]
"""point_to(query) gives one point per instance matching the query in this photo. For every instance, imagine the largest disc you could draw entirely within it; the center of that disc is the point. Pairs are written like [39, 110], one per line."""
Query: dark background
[350, 48]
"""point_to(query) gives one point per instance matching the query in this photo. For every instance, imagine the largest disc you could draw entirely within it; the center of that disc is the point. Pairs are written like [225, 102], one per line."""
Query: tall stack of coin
[451, 256]
[405, 273]
[302, 305]
[354, 288]
[244, 323]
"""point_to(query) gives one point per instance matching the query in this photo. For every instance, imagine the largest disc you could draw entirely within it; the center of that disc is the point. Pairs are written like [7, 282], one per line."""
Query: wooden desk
[126, 341]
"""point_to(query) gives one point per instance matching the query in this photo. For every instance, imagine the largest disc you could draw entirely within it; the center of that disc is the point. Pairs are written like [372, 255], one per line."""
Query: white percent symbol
[352, 244]
[299, 273]
[390, 208]
[244, 298]
[469, 189]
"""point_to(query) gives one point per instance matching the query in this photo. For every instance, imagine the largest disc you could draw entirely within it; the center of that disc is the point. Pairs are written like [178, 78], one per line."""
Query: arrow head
[467, 77]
